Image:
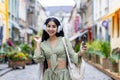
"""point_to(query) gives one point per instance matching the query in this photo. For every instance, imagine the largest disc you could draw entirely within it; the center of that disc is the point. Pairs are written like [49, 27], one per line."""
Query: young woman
[50, 48]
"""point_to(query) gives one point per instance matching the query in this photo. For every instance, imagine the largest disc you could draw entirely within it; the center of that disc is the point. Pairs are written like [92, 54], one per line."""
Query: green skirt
[57, 74]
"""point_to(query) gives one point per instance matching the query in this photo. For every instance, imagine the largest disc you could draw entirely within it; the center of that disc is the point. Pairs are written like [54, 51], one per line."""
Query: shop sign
[105, 24]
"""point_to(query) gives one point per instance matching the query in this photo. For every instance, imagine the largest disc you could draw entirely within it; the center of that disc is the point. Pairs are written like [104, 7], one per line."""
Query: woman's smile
[51, 32]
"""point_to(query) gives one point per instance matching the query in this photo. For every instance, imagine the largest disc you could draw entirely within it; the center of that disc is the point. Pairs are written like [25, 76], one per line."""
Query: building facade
[100, 8]
[114, 17]
[4, 21]
[13, 11]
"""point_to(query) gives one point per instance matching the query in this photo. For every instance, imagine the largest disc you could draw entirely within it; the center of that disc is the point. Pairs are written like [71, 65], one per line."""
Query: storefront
[115, 27]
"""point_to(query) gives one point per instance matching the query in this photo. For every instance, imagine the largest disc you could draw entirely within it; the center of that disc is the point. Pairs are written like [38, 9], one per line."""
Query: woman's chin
[51, 34]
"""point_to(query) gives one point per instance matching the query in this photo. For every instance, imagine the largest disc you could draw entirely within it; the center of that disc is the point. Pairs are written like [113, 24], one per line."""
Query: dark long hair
[45, 35]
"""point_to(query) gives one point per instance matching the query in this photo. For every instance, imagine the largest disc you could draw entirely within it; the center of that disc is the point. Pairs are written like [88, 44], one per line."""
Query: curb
[5, 71]
[112, 75]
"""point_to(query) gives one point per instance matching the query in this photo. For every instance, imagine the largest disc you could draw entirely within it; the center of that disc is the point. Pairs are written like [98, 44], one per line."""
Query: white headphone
[59, 27]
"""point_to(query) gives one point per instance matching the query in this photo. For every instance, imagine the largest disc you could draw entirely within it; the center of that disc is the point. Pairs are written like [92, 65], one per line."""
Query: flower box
[28, 61]
[15, 64]
[105, 63]
[17, 59]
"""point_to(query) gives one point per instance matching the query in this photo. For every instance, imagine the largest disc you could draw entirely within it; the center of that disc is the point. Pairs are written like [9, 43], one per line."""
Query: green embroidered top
[46, 51]
[52, 54]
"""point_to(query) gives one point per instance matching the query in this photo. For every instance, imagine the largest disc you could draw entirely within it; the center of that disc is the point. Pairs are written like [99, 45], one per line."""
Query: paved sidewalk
[4, 69]
[3, 66]
[31, 73]
[92, 73]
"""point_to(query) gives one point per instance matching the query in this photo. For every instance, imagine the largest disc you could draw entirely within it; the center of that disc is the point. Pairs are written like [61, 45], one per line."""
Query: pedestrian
[50, 50]
[10, 42]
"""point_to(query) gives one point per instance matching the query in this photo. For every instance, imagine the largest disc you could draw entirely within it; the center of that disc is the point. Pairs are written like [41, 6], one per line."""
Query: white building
[100, 8]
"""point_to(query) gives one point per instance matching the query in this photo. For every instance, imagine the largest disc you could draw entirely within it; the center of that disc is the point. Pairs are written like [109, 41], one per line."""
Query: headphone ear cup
[59, 28]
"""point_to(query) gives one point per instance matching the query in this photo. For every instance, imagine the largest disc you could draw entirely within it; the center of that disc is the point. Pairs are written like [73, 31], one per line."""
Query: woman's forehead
[51, 22]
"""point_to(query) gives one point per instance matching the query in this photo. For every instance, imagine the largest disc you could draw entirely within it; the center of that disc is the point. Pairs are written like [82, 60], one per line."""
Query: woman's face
[51, 28]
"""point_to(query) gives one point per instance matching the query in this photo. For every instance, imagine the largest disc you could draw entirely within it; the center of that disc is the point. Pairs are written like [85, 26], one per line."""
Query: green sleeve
[38, 56]
[73, 55]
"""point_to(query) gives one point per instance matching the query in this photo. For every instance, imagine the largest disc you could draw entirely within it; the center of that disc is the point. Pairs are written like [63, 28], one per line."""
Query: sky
[47, 3]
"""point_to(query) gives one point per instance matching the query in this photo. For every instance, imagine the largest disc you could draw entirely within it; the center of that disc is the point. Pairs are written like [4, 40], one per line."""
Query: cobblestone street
[94, 74]
[31, 73]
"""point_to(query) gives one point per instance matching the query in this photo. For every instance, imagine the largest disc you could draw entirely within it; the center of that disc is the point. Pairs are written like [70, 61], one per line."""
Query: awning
[109, 15]
[78, 35]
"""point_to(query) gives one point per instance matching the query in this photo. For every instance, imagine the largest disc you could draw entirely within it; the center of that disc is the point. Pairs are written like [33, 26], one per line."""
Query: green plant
[17, 56]
[105, 49]
[7, 48]
[115, 54]
[25, 48]
[2, 51]
[94, 47]
[29, 56]
[101, 48]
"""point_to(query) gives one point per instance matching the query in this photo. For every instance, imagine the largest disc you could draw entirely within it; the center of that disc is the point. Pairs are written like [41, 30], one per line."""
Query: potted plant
[25, 48]
[105, 53]
[94, 50]
[29, 58]
[2, 55]
[115, 57]
[17, 59]
[89, 51]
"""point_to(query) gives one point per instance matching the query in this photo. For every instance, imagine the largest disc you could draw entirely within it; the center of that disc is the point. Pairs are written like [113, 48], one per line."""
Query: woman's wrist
[79, 54]
[37, 45]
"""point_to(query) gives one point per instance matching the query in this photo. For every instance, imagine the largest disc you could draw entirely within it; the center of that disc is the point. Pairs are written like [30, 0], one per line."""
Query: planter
[97, 59]
[28, 61]
[89, 57]
[105, 63]
[15, 64]
[114, 67]
[93, 58]
[2, 58]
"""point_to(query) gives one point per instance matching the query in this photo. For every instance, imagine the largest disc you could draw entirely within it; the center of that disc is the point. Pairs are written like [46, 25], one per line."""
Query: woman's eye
[48, 26]
[54, 26]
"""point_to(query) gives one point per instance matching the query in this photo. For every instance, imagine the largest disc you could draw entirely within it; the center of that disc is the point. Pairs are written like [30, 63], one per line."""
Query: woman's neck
[53, 38]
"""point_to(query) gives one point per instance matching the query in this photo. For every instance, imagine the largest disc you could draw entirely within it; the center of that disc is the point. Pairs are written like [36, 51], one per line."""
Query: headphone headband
[59, 27]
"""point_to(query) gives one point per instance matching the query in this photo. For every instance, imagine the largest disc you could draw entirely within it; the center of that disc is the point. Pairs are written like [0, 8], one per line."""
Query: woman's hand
[83, 48]
[37, 39]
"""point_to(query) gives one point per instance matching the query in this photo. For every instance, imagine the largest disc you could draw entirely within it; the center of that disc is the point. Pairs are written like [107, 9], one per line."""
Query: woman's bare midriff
[61, 63]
